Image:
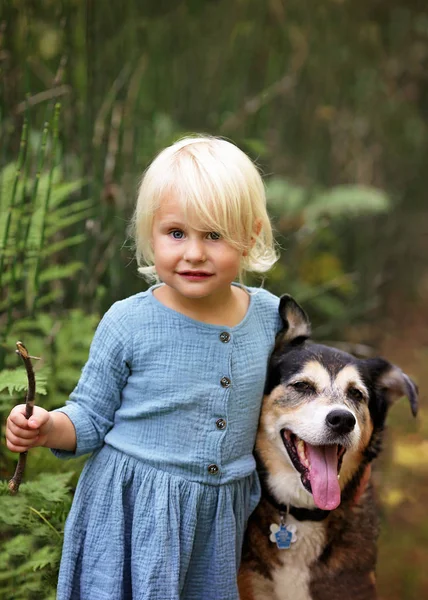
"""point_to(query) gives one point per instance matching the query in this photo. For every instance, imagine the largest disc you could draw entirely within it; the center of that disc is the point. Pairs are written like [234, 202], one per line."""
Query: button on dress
[168, 406]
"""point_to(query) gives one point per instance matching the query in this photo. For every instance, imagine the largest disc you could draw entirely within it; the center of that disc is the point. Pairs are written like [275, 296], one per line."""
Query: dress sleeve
[97, 396]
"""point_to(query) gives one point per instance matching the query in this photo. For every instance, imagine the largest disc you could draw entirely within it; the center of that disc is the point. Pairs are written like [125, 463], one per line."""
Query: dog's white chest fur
[291, 580]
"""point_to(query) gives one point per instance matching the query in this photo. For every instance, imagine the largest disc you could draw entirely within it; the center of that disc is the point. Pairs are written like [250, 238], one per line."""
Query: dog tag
[283, 535]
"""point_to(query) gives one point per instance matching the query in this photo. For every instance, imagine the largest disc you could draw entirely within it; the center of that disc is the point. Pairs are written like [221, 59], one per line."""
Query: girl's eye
[177, 234]
[304, 387]
[213, 235]
[355, 394]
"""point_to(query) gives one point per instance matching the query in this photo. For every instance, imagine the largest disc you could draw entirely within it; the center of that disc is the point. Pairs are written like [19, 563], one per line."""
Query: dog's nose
[341, 421]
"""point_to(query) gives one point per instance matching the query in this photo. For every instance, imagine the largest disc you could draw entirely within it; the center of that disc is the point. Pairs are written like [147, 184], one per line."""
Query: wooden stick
[15, 482]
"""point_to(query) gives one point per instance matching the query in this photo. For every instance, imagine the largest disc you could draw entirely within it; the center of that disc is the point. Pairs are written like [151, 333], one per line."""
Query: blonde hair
[219, 187]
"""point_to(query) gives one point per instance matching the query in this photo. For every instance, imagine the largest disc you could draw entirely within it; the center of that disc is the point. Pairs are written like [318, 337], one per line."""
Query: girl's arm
[92, 405]
[62, 434]
[81, 425]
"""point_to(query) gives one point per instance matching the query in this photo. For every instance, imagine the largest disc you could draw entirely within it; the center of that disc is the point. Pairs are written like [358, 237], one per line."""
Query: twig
[50, 94]
[39, 514]
[15, 482]
[282, 87]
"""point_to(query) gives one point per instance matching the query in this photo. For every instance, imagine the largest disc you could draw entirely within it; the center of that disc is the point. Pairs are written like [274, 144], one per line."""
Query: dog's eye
[304, 387]
[355, 394]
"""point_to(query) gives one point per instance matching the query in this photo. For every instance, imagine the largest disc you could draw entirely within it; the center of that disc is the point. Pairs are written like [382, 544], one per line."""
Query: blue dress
[169, 408]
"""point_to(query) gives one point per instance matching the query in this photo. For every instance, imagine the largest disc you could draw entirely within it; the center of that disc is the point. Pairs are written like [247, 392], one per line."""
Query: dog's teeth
[300, 446]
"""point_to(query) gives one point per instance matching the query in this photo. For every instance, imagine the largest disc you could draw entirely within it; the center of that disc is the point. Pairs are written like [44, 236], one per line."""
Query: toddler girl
[169, 399]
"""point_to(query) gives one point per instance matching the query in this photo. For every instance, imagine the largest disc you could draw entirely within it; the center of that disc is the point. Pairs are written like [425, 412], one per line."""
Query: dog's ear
[391, 383]
[296, 325]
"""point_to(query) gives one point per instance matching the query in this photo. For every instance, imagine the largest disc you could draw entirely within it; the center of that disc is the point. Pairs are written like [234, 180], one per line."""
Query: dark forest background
[329, 97]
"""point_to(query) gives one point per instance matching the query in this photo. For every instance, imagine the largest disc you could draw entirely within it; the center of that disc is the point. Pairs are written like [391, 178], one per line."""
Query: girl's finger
[14, 448]
[39, 417]
[17, 416]
[28, 434]
[17, 444]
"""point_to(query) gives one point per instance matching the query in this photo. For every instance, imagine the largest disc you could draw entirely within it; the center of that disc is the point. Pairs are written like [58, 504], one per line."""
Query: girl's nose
[194, 251]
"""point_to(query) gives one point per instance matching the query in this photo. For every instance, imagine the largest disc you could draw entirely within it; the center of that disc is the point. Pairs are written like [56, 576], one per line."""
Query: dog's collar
[300, 514]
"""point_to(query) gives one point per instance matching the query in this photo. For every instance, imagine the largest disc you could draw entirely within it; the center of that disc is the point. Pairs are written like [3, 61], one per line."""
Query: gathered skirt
[139, 533]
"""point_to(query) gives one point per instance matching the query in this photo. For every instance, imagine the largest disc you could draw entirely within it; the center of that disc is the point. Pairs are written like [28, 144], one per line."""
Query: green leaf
[347, 201]
[60, 271]
[66, 243]
[286, 198]
[70, 209]
[49, 299]
[256, 146]
[15, 380]
[19, 545]
[7, 178]
[62, 192]
[48, 487]
[11, 300]
[72, 219]
[41, 323]
[43, 557]
[12, 513]
[332, 308]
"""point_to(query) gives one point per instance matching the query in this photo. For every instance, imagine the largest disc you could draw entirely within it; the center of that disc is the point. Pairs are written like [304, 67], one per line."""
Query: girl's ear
[257, 227]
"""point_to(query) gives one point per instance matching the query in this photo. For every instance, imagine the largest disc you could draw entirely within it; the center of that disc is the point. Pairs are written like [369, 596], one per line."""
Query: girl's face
[194, 264]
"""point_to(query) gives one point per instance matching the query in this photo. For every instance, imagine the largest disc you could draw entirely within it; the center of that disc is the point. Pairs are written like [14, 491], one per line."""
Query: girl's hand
[22, 434]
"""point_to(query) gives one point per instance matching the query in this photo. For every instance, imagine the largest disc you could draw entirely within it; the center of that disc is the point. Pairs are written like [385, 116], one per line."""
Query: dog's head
[323, 414]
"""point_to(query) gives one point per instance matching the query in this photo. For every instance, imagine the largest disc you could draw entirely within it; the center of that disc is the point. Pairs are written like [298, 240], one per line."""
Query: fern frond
[19, 545]
[349, 201]
[60, 271]
[62, 192]
[48, 487]
[70, 209]
[285, 197]
[49, 299]
[12, 299]
[61, 223]
[15, 380]
[66, 243]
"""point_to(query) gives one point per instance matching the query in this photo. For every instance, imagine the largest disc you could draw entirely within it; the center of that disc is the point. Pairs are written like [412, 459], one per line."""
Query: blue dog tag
[283, 538]
[282, 535]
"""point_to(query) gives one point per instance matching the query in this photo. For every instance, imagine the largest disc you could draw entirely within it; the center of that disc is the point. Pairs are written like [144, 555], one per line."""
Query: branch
[54, 92]
[282, 87]
[15, 482]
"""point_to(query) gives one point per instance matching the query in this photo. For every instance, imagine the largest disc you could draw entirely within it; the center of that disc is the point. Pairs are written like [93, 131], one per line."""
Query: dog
[313, 535]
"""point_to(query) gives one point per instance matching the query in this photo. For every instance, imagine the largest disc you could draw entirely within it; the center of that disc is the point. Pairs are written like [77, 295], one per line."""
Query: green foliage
[33, 524]
[62, 343]
[348, 201]
[309, 221]
[16, 381]
[330, 97]
[34, 231]
[287, 200]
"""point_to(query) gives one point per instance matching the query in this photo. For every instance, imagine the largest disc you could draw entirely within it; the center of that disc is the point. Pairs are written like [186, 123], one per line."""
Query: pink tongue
[323, 476]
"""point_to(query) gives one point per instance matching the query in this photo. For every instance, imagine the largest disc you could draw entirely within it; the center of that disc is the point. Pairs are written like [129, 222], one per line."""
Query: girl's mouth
[195, 275]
